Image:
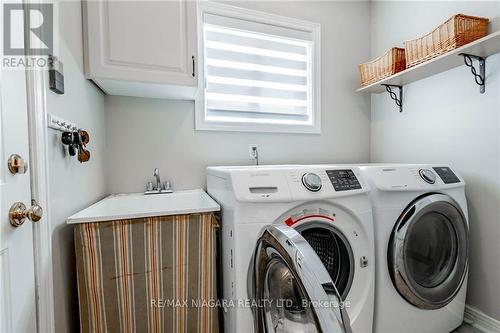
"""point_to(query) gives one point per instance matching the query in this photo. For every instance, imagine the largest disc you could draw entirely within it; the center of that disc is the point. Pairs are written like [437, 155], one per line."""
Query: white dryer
[299, 233]
[421, 242]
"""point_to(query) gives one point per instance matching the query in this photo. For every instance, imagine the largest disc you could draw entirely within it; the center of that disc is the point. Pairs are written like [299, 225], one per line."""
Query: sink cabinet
[142, 48]
[148, 274]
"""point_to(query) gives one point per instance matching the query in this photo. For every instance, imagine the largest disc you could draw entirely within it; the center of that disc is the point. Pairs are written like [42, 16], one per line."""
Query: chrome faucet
[158, 181]
[159, 188]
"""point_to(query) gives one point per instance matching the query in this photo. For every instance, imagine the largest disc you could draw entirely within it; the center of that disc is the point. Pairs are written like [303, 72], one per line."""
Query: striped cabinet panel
[155, 274]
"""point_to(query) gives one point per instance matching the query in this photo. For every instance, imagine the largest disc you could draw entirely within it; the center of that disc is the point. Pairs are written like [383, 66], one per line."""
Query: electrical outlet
[253, 151]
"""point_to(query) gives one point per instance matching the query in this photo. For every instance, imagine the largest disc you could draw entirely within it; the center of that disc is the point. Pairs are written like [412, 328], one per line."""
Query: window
[259, 72]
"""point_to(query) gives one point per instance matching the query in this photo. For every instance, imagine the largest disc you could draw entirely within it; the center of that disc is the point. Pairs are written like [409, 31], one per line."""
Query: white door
[143, 41]
[17, 278]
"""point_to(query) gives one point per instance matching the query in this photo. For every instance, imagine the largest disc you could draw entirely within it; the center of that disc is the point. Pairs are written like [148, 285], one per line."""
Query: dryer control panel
[412, 177]
[446, 175]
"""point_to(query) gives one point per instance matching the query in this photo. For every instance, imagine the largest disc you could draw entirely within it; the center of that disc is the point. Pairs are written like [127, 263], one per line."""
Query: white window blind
[257, 73]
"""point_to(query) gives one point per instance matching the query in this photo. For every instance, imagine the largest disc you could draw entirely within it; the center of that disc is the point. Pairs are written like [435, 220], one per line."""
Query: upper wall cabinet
[142, 48]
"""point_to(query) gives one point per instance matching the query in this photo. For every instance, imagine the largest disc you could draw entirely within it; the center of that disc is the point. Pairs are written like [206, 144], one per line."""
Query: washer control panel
[446, 175]
[311, 181]
[287, 183]
[343, 180]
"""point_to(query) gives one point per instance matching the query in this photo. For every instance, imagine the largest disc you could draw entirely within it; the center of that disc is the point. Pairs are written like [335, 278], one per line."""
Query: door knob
[18, 213]
[17, 164]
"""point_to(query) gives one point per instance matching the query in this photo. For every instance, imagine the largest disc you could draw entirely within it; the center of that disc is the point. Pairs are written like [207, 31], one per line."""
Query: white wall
[142, 134]
[73, 186]
[446, 120]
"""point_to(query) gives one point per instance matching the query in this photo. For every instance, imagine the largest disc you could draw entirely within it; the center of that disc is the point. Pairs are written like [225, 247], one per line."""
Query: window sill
[257, 128]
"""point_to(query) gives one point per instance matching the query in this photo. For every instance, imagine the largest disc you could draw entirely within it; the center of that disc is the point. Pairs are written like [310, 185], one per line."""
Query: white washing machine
[421, 246]
[299, 233]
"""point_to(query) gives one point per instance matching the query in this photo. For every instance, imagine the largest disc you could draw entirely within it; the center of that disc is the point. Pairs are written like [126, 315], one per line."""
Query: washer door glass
[291, 287]
[286, 309]
[428, 251]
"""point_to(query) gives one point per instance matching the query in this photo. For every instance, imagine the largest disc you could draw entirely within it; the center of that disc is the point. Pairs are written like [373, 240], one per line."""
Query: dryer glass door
[292, 288]
[428, 251]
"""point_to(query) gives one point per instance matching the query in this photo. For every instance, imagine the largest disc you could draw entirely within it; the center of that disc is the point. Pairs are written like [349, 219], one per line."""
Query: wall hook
[394, 96]
[481, 77]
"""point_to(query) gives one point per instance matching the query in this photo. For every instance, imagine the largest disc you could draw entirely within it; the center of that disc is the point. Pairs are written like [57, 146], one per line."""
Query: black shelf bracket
[394, 96]
[481, 77]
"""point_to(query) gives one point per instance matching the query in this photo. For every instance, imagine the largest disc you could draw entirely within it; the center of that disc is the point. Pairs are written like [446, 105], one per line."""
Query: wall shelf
[483, 48]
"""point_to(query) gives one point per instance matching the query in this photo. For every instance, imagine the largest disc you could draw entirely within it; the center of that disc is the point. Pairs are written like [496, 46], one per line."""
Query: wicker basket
[455, 32]
[390, 63]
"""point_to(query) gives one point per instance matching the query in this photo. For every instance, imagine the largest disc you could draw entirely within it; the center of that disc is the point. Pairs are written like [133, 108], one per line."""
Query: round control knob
[311, 181]
[427, 175]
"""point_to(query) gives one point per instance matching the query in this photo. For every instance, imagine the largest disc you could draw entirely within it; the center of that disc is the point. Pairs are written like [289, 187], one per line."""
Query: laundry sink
[137, 205]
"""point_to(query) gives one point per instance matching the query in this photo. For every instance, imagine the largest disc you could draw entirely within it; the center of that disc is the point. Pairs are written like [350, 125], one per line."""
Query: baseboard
[481, 321]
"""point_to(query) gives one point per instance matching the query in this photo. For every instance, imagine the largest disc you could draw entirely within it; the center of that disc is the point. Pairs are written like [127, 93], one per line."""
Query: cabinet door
[142, 41]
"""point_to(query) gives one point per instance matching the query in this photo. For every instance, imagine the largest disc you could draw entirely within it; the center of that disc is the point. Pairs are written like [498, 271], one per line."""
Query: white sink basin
[130, 206]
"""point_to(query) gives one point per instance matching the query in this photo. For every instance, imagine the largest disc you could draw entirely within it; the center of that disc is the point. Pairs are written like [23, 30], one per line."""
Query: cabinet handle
[192, 57]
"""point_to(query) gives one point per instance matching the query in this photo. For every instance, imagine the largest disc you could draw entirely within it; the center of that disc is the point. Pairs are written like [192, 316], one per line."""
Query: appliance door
[292, 288]
[428, 251]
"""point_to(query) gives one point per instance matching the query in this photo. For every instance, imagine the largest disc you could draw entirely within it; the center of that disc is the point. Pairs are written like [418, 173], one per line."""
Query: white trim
[261, 128]
[265, 18]
[38, 149]
[6, 298]
[251, 15]
[481, 321]
[42, 247]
